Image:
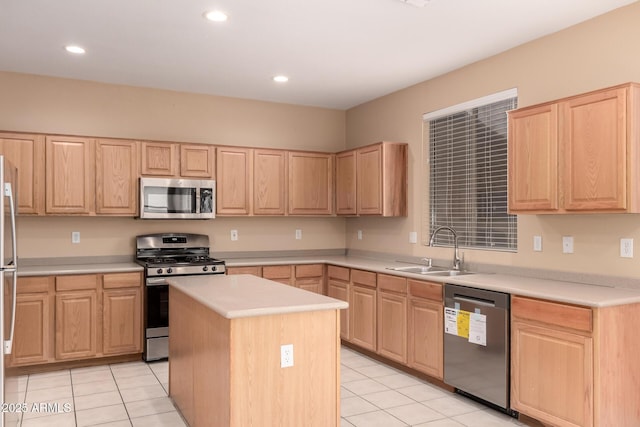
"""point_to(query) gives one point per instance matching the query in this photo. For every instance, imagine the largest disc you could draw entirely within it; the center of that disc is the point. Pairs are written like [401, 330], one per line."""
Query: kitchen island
[225, 352]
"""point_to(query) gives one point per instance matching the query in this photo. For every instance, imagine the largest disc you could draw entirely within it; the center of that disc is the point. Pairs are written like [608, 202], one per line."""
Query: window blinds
[467, 163]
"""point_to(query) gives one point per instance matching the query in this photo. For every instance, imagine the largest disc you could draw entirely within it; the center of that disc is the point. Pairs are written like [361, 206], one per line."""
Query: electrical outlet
[298, 234]
[286, 355]
[537, 243]
[75, 237]
[626, 248]
[567, 244]
[413, 237]
[234, 235]
[359, 234]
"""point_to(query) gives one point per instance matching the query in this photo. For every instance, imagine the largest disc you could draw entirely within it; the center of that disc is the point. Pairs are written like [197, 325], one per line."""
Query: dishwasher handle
[472, 300]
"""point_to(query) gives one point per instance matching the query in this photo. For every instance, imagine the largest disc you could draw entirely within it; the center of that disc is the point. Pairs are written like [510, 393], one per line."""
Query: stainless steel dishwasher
[476, 344]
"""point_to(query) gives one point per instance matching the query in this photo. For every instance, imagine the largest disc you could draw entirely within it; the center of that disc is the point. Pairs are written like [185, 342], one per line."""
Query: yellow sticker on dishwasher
[463, 323]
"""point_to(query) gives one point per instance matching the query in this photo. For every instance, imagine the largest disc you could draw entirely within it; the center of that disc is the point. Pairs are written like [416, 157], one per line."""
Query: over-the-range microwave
[166, 198]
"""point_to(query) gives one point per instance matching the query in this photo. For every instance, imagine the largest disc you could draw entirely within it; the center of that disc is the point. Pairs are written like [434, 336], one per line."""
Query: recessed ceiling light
[216, 16]
[281, 79]
[74, 49]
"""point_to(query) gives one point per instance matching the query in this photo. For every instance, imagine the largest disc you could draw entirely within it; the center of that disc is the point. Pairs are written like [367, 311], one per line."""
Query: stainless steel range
[168, 255]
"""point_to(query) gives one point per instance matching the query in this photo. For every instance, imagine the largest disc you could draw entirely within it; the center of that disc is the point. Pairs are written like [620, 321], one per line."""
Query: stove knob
[159, 271]
[213, 268]
[169, 270]
[205, 268]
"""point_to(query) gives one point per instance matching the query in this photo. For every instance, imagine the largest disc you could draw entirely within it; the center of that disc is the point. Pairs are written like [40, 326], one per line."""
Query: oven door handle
[157, 281]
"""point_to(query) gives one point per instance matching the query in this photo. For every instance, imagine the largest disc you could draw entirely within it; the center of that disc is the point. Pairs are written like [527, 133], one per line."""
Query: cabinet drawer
[563, 315]
[29, 285]
[428, 290]
[74, 283]
[255, 270]
[363, 278]
[340, 273]
[276, 272]
[392, 283]
[121, 280]
[310, 270]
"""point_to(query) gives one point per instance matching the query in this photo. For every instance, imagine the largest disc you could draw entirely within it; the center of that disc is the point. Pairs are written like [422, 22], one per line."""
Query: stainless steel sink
[429, 270]
[419, 269]
[449, 273]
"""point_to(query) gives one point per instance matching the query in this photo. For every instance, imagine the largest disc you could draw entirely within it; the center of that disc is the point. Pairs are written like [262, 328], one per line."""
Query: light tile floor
[135, 394]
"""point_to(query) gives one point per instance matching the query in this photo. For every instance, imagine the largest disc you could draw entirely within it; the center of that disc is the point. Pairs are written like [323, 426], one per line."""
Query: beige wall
[589, 56]
[51, 105]
[51, 236]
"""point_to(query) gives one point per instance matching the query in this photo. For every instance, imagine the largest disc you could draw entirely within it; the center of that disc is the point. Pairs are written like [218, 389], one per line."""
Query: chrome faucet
[457, 262]
[426, 261]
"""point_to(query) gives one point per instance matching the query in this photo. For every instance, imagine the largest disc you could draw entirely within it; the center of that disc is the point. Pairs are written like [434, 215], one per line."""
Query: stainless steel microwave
[165, 198]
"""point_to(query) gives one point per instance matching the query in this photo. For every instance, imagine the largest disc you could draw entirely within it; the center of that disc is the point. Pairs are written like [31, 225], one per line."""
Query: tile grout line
[120, 394]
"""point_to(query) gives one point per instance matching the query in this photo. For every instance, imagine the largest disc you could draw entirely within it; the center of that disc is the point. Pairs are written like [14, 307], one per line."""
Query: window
[466, 160]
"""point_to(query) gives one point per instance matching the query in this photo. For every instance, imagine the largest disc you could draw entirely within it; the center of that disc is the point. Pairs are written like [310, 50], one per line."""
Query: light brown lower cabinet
[338, 287]
[278, 273]
[575, 366]
[77, 317]
[310, 277]
[362, 309]
[33, 339]
[392, 317]
[121, 314]
[255, 270]
[425, 328]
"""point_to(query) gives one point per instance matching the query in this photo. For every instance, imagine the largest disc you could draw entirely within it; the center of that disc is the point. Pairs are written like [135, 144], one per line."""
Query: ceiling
[337, 53]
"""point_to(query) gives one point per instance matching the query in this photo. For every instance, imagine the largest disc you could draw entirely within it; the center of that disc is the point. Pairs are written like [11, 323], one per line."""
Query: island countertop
[244, 295]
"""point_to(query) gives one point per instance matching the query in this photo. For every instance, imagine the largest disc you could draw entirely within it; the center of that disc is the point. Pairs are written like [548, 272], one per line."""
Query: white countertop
[244, 295]
[62, 269]
[554, 290]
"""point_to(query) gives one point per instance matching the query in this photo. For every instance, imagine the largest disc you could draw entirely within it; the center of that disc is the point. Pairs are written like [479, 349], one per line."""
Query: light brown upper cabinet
[372, 180]
[577, 155]
[310, 183]
[70, 174]
[26, 152]
[197, 161]
[116, 177]
[174, 160]
[269, 182]
[346, 183]
[159, 158]
[251, 181]
[533, 159]
[233, 184]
